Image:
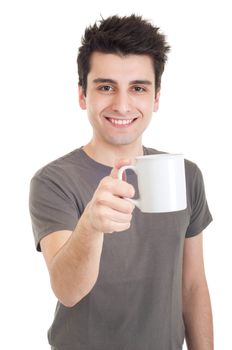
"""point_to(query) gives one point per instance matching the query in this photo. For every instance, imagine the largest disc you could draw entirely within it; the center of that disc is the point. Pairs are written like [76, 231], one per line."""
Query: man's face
[120, 97]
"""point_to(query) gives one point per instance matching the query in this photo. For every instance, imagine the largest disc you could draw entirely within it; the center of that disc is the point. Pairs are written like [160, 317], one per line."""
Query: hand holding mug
[109, 211]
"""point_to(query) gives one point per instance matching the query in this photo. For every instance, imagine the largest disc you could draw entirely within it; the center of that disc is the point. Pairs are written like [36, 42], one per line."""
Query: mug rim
[160, 155]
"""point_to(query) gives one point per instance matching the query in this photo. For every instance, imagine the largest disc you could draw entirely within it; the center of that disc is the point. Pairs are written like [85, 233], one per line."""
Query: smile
[121, 122]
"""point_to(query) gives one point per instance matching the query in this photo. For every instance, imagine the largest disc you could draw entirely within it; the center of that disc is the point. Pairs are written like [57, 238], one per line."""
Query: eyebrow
[111, 81]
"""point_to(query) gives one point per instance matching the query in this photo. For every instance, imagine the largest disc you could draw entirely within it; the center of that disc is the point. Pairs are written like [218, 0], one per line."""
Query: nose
[121, 103]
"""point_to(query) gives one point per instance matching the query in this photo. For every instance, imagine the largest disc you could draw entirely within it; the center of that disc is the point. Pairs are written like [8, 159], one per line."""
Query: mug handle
[136, 202]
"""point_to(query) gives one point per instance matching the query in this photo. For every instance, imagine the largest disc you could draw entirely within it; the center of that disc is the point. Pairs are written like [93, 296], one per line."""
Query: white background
[41, 120]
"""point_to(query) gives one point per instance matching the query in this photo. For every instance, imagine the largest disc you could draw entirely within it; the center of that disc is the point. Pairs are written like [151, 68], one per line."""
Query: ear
[82, 97]
[156, 101]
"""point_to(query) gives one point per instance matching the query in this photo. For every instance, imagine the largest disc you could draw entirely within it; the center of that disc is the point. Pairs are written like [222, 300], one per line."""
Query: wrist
[85, 227]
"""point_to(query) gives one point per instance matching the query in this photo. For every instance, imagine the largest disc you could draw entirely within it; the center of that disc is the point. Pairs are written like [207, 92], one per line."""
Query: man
[124, 279]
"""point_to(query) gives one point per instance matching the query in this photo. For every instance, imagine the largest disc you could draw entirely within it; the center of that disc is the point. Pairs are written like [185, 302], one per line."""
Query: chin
[121, 141]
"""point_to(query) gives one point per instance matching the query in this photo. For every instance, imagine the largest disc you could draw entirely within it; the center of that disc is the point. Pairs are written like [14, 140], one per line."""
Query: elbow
[68, 297]
[68, 302]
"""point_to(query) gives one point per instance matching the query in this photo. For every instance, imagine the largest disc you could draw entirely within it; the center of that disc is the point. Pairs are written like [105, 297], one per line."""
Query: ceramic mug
[161, 182]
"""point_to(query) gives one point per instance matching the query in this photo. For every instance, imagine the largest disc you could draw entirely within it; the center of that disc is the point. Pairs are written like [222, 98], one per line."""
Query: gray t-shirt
[136, 303]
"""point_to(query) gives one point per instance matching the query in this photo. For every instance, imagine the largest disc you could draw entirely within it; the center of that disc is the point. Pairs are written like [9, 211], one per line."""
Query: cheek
[94, 110]
[146, 106]
[92, 104]
[97, 106]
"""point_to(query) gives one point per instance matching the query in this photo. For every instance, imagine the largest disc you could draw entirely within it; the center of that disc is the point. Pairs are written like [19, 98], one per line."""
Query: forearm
[74, 269]
[198, 318]
[74, 265]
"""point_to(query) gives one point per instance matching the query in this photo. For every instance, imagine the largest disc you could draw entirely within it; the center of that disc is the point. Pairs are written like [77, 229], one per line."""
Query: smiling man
[123, 279]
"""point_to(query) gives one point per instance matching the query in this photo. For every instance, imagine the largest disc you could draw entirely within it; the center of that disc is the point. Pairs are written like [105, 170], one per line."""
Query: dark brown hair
[123, 36]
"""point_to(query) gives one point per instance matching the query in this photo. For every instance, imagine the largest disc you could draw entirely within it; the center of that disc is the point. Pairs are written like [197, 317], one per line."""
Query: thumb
[118, 164]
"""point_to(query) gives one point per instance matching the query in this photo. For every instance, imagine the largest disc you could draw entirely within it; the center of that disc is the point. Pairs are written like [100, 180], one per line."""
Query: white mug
[161, 182]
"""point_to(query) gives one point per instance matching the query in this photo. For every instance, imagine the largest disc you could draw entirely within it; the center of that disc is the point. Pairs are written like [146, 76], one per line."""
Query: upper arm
[193, 262]
[52, 208]
[52, 243]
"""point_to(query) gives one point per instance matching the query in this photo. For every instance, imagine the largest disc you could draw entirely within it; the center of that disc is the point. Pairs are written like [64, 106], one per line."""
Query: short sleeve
[200, 216]
[51, 208]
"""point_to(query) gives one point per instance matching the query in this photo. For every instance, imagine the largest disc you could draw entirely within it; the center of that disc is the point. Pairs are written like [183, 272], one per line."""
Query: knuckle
[131, 190]
[101, 197]
[98, 199]
[106, 183]
[110, 227]
[130, 207]
[127, 219]
[99, 213]
[127, 226]
[119, 228]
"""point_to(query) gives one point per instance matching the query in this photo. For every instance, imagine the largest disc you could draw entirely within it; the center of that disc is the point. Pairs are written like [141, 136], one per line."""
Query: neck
[109, 154]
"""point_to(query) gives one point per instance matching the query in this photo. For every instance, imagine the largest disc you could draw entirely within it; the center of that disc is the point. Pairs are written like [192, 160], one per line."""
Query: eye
[106, 88]
[139, 89]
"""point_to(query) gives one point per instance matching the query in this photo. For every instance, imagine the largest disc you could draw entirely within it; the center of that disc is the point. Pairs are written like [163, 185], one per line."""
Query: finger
[118, 217]
[115, 187]
[118, 164]
[123, 189]
[117, 203]
[119, 227]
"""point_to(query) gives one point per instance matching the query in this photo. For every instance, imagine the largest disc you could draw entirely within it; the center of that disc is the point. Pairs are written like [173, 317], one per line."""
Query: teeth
[121, 122]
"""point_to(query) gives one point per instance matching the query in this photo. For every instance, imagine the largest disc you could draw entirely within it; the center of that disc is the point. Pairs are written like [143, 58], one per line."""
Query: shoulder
[63, 166]
[61, 177]
[150, 151]
[57, 182]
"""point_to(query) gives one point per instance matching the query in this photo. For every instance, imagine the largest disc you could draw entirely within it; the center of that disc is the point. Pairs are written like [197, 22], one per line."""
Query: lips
[120, 122]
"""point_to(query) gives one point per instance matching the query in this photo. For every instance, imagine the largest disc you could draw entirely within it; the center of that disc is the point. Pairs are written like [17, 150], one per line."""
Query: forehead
[117, 67]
